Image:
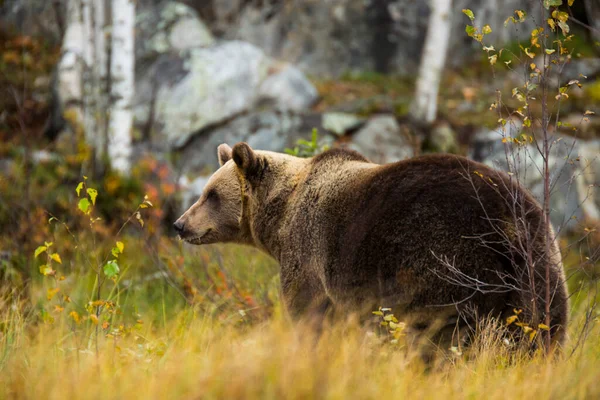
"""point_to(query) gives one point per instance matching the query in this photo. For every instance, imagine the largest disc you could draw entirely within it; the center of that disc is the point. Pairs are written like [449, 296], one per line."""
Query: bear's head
[218, 215]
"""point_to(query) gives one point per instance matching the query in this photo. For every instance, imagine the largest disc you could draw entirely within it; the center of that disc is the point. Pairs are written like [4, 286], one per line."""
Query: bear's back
[401, 219]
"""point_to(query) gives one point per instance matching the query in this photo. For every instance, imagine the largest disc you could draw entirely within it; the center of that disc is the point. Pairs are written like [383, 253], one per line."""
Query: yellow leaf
[520, 14]
[78, 188]
[39, 251]
[51, 293]
[588, 112]
[511, 319]
[75, 316]
[544, 327]
[56, 258]
[532, 335]
[532, 65]
[486, 29]
[529, 53]
[58, 308]
[46, 270]
[93, 193]
[94, 319]
[549, 51]
[120, 246]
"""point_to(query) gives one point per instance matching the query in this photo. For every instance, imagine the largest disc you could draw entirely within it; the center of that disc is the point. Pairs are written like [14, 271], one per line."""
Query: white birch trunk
[99, 76]
[76, 59]
[82, 70]
[122, 84]
[424, 106]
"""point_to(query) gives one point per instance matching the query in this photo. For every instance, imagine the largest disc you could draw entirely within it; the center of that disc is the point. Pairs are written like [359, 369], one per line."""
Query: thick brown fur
[437, 237]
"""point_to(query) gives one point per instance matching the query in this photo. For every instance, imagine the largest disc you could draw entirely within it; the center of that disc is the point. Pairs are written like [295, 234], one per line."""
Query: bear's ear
[223, 153]
[245, 158]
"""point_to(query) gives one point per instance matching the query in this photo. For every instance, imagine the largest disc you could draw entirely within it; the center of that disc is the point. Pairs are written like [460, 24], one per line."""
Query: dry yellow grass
[194, 357]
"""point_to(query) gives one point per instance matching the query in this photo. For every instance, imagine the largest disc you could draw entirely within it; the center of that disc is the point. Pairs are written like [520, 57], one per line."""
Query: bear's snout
[179, 226]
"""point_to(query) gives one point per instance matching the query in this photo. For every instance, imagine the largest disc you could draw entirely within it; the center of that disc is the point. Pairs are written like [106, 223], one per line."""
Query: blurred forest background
[110, 115]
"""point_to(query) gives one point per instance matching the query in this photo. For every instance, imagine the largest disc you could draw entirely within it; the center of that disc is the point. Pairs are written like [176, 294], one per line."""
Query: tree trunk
[424, 106]
[122, 84]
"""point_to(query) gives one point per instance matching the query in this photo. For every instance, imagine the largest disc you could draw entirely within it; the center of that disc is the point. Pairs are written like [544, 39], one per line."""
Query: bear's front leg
[305, 300]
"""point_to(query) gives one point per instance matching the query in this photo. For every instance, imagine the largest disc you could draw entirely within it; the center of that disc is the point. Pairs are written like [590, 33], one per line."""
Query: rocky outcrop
[334, 37]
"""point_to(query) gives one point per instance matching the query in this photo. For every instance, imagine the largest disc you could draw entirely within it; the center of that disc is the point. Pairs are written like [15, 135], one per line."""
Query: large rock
[574, 172]
[184, 93]
[273, 130]
[382, 140]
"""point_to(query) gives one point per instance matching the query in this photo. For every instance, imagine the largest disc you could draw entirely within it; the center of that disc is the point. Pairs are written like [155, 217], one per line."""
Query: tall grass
[193, 354]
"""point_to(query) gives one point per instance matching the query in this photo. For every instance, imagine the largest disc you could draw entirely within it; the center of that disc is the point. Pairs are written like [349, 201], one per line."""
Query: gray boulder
[442, 139]
[183, 94]
[382, 140]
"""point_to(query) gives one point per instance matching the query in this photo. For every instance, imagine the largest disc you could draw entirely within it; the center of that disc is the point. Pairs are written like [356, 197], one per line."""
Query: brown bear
[436, 237]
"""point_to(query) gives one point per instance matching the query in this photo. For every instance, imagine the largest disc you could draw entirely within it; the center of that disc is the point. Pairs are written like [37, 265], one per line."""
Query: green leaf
[552, 3]
[39, 251]
[468, 13]
[84, 205]
[549, 51]
[111, 269]
[470, 29]
[93, 193]
[78, 188]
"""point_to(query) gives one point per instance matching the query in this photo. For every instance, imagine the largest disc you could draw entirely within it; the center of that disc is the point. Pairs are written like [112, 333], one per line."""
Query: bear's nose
[179, 226]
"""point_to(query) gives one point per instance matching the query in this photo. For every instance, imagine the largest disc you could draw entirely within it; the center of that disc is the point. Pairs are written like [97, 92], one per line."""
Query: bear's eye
[212, 195]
